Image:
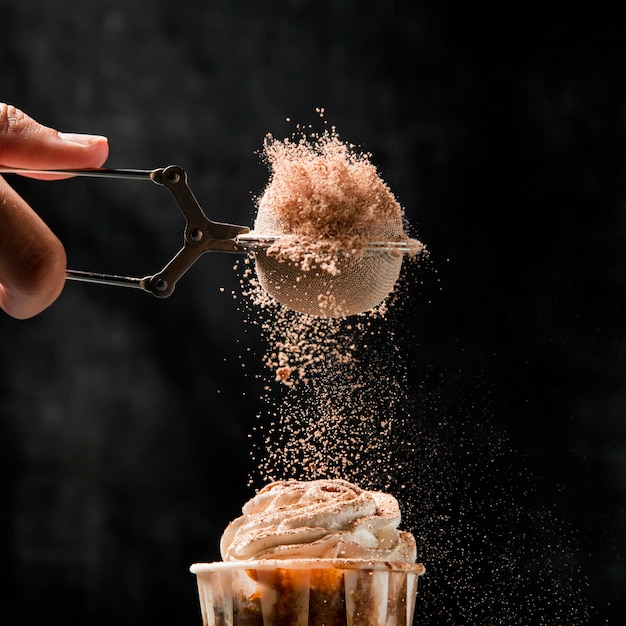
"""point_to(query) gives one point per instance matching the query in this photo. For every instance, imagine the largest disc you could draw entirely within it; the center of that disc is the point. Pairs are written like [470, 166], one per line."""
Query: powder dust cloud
[344, 399]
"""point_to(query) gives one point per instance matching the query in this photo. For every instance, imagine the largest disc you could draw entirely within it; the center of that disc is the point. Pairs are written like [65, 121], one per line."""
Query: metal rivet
[161, 284]
[196, 234]
[173, 177]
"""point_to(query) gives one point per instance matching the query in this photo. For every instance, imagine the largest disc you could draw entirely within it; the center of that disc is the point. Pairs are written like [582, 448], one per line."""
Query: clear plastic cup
[307, 592]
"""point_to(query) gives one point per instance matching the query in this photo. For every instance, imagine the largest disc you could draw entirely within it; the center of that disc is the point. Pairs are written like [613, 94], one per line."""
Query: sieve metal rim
[260, 242]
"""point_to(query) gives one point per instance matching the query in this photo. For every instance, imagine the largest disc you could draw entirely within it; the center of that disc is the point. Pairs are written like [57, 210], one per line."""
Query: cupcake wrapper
[305, 596]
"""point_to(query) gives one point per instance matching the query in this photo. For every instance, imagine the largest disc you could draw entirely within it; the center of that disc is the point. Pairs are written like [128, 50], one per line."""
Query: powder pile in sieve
[323, 196]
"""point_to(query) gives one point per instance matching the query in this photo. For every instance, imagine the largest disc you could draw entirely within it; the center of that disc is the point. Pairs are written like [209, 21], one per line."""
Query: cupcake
[316, 553]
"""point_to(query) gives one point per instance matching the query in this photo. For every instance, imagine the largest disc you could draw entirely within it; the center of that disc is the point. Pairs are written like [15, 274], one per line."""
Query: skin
[32, 259]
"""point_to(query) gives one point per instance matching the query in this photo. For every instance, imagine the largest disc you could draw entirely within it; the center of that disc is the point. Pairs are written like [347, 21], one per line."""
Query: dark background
[124, 445]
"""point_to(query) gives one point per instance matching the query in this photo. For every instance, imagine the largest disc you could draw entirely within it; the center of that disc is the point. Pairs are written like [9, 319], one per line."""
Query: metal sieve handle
[200, 235]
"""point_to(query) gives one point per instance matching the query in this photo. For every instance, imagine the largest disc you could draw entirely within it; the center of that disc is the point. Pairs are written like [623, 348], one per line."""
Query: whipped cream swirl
[318, 519]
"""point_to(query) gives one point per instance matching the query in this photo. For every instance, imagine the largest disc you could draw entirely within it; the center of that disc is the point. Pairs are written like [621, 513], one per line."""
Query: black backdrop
[125, 419]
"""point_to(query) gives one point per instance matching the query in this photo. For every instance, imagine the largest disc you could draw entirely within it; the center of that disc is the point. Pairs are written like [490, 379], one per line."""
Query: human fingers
[32, 259]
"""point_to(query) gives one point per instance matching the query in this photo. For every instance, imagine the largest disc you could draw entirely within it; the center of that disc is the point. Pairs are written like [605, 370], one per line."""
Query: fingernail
[83, 140]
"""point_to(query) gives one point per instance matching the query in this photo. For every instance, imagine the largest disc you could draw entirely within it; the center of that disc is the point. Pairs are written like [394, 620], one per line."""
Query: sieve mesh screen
[362, 281]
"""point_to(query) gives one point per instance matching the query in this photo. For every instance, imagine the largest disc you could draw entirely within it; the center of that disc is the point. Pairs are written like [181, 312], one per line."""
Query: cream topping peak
[318, 519]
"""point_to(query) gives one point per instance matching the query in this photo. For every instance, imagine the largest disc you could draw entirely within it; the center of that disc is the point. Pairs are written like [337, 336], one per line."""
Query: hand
[32, 259]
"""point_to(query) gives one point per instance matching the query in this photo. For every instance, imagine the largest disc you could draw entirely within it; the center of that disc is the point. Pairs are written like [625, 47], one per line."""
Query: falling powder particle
[346, 404]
